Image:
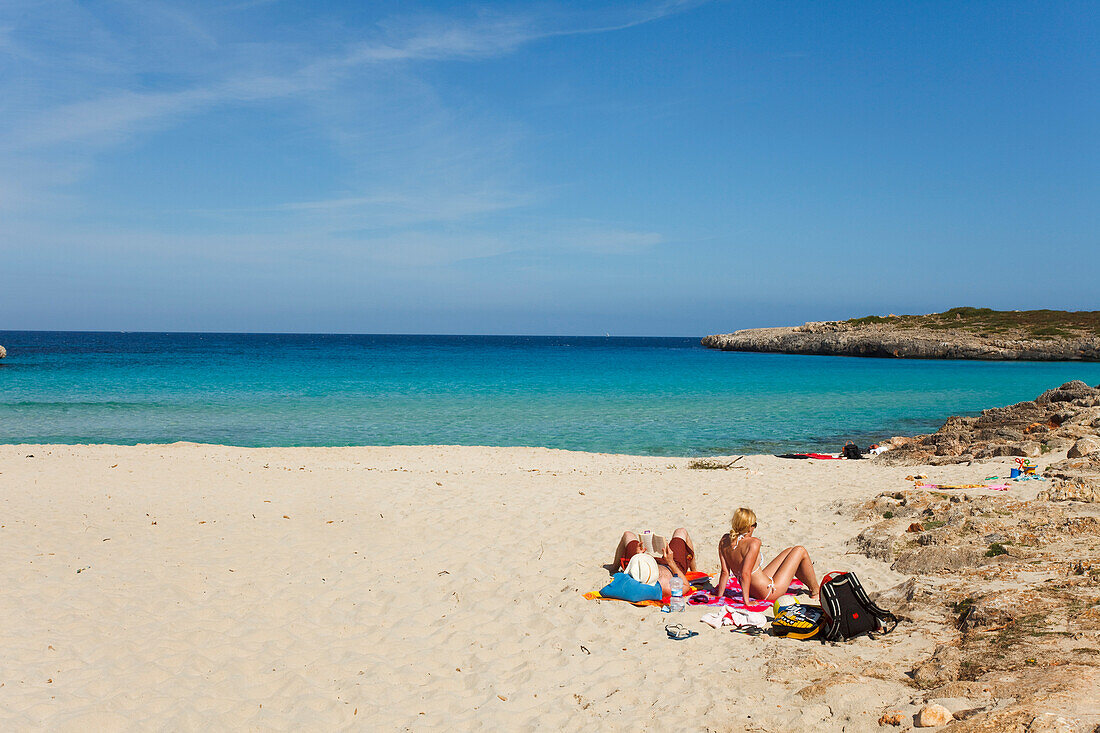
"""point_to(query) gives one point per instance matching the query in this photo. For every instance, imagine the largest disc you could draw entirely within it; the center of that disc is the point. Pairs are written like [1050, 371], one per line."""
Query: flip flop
[748, 630]
[678, 633]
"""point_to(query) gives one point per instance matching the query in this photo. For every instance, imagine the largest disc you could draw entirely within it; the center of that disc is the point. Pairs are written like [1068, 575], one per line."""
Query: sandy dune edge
[405, 587]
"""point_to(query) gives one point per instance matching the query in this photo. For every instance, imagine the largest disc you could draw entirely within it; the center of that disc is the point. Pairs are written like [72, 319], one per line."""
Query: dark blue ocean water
[654, 396]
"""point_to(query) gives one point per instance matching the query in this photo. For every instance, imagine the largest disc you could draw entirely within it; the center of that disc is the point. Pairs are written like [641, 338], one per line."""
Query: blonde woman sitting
[739, 552]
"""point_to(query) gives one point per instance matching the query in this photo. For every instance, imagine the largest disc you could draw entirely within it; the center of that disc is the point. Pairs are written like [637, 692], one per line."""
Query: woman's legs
[629, 546]
[793, 562]
[684, 550]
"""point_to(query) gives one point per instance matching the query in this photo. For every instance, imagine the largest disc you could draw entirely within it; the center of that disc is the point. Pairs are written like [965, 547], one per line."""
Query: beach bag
[798, 622]
[851, 450]
[848, 612]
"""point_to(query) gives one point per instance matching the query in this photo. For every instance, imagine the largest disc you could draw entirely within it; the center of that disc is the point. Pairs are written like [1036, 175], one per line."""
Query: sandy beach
[191, 587]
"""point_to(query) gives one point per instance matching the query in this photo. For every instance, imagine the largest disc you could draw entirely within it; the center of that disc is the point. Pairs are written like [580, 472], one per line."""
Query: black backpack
[851, 450]
[848, 612]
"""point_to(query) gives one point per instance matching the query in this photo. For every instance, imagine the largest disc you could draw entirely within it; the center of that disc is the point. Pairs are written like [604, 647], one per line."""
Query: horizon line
[343, 333]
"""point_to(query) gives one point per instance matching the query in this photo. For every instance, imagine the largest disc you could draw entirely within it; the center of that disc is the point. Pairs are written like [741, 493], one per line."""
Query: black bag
[847, 610]
[851, 450]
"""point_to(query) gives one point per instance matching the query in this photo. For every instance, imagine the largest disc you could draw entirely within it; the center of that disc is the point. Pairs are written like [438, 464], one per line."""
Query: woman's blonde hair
[743, 520]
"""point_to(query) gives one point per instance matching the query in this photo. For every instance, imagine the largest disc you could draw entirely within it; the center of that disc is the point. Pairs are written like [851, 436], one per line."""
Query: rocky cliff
[961, 333]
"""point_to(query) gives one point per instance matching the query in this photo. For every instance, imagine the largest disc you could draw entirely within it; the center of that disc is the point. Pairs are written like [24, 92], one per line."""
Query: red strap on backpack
[834, 574]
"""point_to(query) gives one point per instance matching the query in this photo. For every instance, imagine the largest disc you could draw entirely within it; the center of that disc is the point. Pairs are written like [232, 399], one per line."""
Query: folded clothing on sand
[734, 617]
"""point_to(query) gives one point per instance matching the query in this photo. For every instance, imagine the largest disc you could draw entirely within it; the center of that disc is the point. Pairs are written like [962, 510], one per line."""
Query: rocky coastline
[896, 337]
[1064, 419]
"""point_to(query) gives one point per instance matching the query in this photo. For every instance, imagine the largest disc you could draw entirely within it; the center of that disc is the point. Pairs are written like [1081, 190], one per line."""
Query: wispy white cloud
[430, 164]
[407, 248]
[604, 240]
[106, 117]
[416, 207]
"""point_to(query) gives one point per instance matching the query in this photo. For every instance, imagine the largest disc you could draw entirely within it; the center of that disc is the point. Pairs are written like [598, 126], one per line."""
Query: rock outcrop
[1074, 479]
[909, 339]
[1060, 419]
[1066, 418]
[1015, 631]
[3, 352]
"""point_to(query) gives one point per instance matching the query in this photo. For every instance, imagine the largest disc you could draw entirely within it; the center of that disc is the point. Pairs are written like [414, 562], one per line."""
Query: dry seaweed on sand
[712, 464]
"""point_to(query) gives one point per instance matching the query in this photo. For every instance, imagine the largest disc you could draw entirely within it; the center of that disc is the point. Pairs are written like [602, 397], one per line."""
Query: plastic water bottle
[676, 586]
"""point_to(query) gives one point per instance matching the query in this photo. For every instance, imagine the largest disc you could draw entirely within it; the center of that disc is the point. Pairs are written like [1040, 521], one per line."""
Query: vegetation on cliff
[959, 333]
[1040, 324]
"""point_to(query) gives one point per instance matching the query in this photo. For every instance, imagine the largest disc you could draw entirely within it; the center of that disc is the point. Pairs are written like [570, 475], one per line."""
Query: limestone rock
[1069, 491]
[1083, 447]
[1030, 448]
[1073, 469]
[942, 667]
[931, 716]
[842, 338]
[3, 352]
[822, 688]
[1074, 479]
[877, 541]
[1068, 392]
[1008, 449]
[1058, 444]
[1056, 420]
[1050, 724]
[937, 559]
[912, 600]
[1054, 699]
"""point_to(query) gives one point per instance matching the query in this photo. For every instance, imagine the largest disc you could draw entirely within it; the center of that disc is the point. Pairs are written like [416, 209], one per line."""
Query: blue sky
[664, 168]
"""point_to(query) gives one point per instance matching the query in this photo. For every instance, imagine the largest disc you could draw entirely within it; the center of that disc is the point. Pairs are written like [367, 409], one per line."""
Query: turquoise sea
[651, 396]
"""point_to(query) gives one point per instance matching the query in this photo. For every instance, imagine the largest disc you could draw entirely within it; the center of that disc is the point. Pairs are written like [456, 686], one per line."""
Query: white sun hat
[643, 568]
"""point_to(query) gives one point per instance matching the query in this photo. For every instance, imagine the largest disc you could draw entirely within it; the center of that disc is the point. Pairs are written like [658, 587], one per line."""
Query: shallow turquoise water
[643, 396]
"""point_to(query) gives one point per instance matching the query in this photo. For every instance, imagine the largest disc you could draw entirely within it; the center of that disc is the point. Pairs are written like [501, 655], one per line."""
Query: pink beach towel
[733, 597]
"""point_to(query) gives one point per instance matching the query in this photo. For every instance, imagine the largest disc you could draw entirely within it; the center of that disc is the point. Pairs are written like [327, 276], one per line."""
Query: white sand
[424, 588]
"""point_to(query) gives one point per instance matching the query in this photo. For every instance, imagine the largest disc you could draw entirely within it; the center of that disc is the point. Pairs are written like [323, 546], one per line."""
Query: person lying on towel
[676, 557]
